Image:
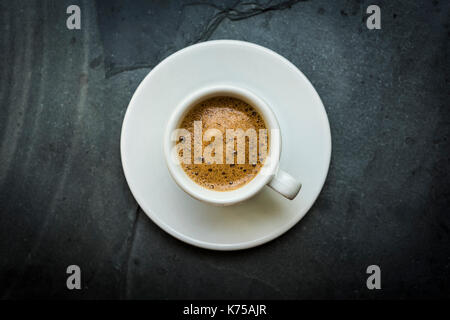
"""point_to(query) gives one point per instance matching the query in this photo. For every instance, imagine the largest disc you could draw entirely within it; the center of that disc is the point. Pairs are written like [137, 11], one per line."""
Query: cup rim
[248, 190]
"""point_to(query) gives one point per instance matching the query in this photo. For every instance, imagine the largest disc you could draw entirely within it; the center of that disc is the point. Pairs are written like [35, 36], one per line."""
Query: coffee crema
[224, 115]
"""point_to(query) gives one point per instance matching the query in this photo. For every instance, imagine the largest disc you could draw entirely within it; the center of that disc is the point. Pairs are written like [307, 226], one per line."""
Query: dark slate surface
[64, 199]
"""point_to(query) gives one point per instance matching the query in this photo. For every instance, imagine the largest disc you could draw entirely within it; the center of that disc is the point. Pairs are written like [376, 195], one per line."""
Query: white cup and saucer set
[271, 203]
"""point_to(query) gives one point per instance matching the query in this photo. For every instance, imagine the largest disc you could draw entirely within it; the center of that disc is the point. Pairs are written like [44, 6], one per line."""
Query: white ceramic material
[269, 174]
[305, 135]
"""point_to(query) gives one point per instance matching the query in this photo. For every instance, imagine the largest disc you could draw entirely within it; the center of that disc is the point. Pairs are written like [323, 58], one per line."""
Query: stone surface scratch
[129, 247]
[239, 11]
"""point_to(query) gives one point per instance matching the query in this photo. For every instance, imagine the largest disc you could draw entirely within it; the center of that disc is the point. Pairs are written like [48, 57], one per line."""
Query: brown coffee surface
[224, 113]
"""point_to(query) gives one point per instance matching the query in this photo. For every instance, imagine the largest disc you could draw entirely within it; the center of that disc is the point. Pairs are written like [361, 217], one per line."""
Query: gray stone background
[64, 199]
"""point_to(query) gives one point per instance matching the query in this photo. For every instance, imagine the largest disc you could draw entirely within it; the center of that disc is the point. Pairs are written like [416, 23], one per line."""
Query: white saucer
[306, 144]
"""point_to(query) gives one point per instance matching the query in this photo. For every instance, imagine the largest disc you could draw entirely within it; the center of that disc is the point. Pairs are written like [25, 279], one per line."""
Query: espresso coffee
[235, 125]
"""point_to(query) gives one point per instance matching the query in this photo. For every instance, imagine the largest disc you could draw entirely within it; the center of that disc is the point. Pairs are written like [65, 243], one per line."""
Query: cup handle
[285, 184]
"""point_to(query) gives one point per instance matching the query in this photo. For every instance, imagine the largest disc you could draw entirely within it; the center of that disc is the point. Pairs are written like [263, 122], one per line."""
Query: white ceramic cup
[270, 174]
